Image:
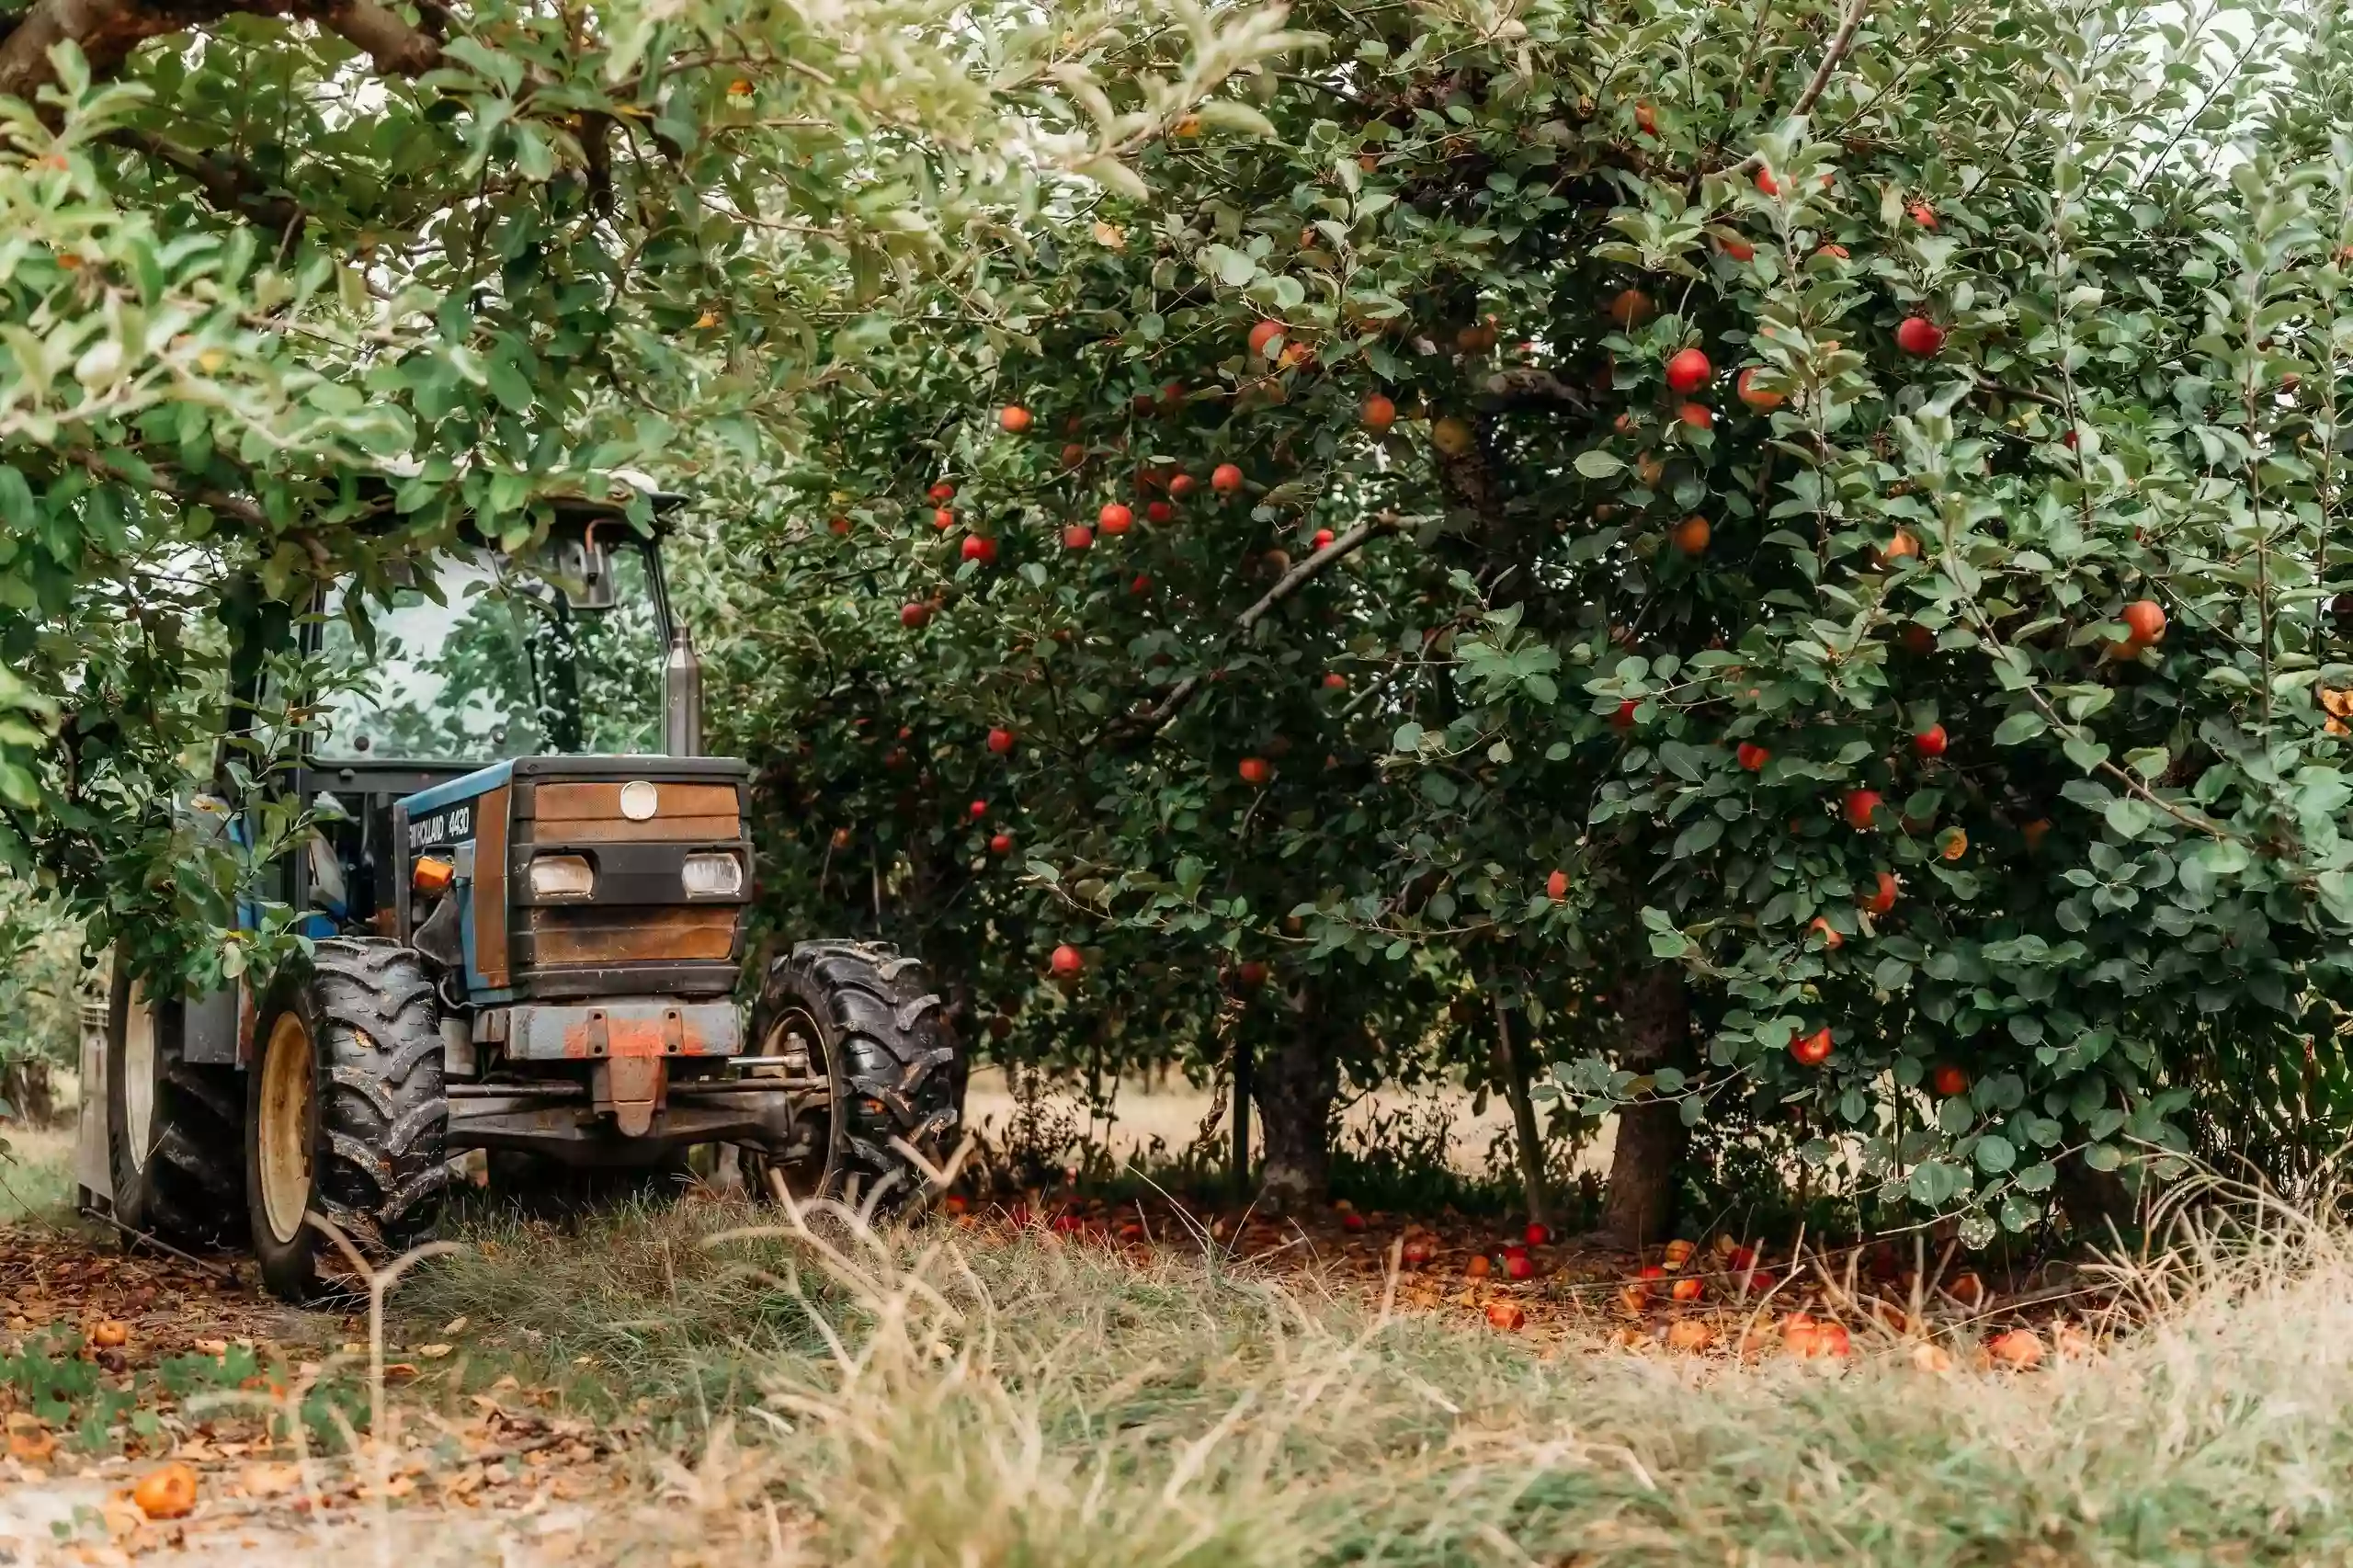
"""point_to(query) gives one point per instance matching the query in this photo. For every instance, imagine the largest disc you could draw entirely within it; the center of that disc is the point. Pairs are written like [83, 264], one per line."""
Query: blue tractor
[529, 898]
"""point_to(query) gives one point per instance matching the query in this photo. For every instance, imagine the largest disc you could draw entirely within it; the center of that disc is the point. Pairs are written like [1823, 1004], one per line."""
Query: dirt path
[114, 1366]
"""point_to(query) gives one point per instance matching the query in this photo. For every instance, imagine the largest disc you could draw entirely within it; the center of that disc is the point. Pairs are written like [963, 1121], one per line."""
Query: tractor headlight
[562, 876]
[712, 876]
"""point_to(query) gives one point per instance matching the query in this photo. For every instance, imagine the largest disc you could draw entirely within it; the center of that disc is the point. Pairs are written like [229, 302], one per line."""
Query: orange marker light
[433, 875]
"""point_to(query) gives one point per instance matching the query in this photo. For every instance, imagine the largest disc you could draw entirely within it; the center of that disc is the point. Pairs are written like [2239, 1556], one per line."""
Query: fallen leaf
[270, 1480]
[455, 1326]
[433, 1352]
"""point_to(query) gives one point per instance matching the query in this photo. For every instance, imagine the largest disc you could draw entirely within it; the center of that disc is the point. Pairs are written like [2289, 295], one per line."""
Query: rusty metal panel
[611, 934]
[576, 806]
[655, 830]
[592, 1032]
[491, 959]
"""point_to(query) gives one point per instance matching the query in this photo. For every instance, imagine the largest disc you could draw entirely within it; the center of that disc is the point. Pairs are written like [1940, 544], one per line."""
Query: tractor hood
[557, 877]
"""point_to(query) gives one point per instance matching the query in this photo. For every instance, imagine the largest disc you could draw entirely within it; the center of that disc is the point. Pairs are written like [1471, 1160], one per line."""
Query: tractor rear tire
[172, 1127]
[871, 1025]
[344, 1112]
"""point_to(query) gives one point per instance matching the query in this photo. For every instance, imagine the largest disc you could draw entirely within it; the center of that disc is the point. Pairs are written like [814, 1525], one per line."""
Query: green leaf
[1994, 1153]
[2023, 725]
[1595, 464]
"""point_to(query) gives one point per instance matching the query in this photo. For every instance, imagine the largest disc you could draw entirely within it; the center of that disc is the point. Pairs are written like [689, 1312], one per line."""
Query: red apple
[1624, 718]
[943, 519]
[1142, 583]
[1950, 1080]
[1919, 336]
[1813, 1050]
[1012, 419]
[1538, 1233]
[1764, 400]
[1556, 886]
[1265, 333]
[1225, 479]
[1879, 898]
[1001, 741]
[1518, 1265]
[1181, 485]
[1766, 183]
[1752, 756]
[914, 615]
[1256, 771]
[1323, 538]
[1078, 536]
[1930, 742]
[1687, 370]
[1073, 455]
[1379, 413]
[1001, 844]
[1858, 807]
[1067, 960]
[1924, 215]
[1334, 681]
[1159, 512]
[2145, 619]
[1114, 518]
[978, 810]
[1698, 415]
[980, 548]
[1251, 973]
[942, 492]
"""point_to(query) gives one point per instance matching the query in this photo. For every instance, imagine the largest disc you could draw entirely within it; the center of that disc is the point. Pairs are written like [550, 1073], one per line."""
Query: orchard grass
[36, 1174]
[946, 1395]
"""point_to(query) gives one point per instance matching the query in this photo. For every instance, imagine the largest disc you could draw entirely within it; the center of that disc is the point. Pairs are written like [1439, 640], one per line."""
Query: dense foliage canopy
[1780, 553]
[1816, 520]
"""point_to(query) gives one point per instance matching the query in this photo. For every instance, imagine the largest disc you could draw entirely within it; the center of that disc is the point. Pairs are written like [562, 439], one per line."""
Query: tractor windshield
[495, 662]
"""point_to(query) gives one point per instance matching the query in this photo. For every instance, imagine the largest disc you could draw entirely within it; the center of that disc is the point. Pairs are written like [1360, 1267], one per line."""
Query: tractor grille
[638, 928]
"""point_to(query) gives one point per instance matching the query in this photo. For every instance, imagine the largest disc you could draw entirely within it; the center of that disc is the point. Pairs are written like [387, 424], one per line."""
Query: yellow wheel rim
[138, 1076]
[283, 1138]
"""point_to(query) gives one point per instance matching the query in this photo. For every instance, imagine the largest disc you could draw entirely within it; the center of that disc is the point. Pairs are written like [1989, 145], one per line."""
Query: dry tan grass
[1026, 1403]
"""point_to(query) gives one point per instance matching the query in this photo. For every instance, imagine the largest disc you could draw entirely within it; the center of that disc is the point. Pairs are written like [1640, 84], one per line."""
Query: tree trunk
[1650, 1136]
[29, 1090]
[1296, 1081]
[1523, 1119]
[2098, 1205]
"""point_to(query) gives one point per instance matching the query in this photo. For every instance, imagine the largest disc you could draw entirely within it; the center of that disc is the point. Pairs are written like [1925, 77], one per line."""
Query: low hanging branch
[1161, 715]
[108, 30]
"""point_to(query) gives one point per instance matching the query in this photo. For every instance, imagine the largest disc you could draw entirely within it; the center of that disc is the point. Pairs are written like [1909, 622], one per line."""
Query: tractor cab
[526, 897]
[568, 651]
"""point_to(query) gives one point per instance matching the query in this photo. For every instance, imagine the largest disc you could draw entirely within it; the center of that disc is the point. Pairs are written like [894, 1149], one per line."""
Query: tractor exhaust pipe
[682, 698]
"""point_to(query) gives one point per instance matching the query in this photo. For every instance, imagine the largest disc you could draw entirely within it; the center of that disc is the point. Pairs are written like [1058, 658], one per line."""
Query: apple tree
[1804, 532]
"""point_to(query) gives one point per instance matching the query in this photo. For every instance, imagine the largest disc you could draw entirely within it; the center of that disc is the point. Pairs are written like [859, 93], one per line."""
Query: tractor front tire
[866, 1019]
[346, 1115]
[172, 1127]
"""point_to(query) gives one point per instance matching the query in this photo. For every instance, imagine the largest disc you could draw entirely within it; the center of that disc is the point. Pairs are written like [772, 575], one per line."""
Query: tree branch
[1839, 44]
[1529, 387]
[397, 49]
[108, 30]
[1159, 717]
[229, 183]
